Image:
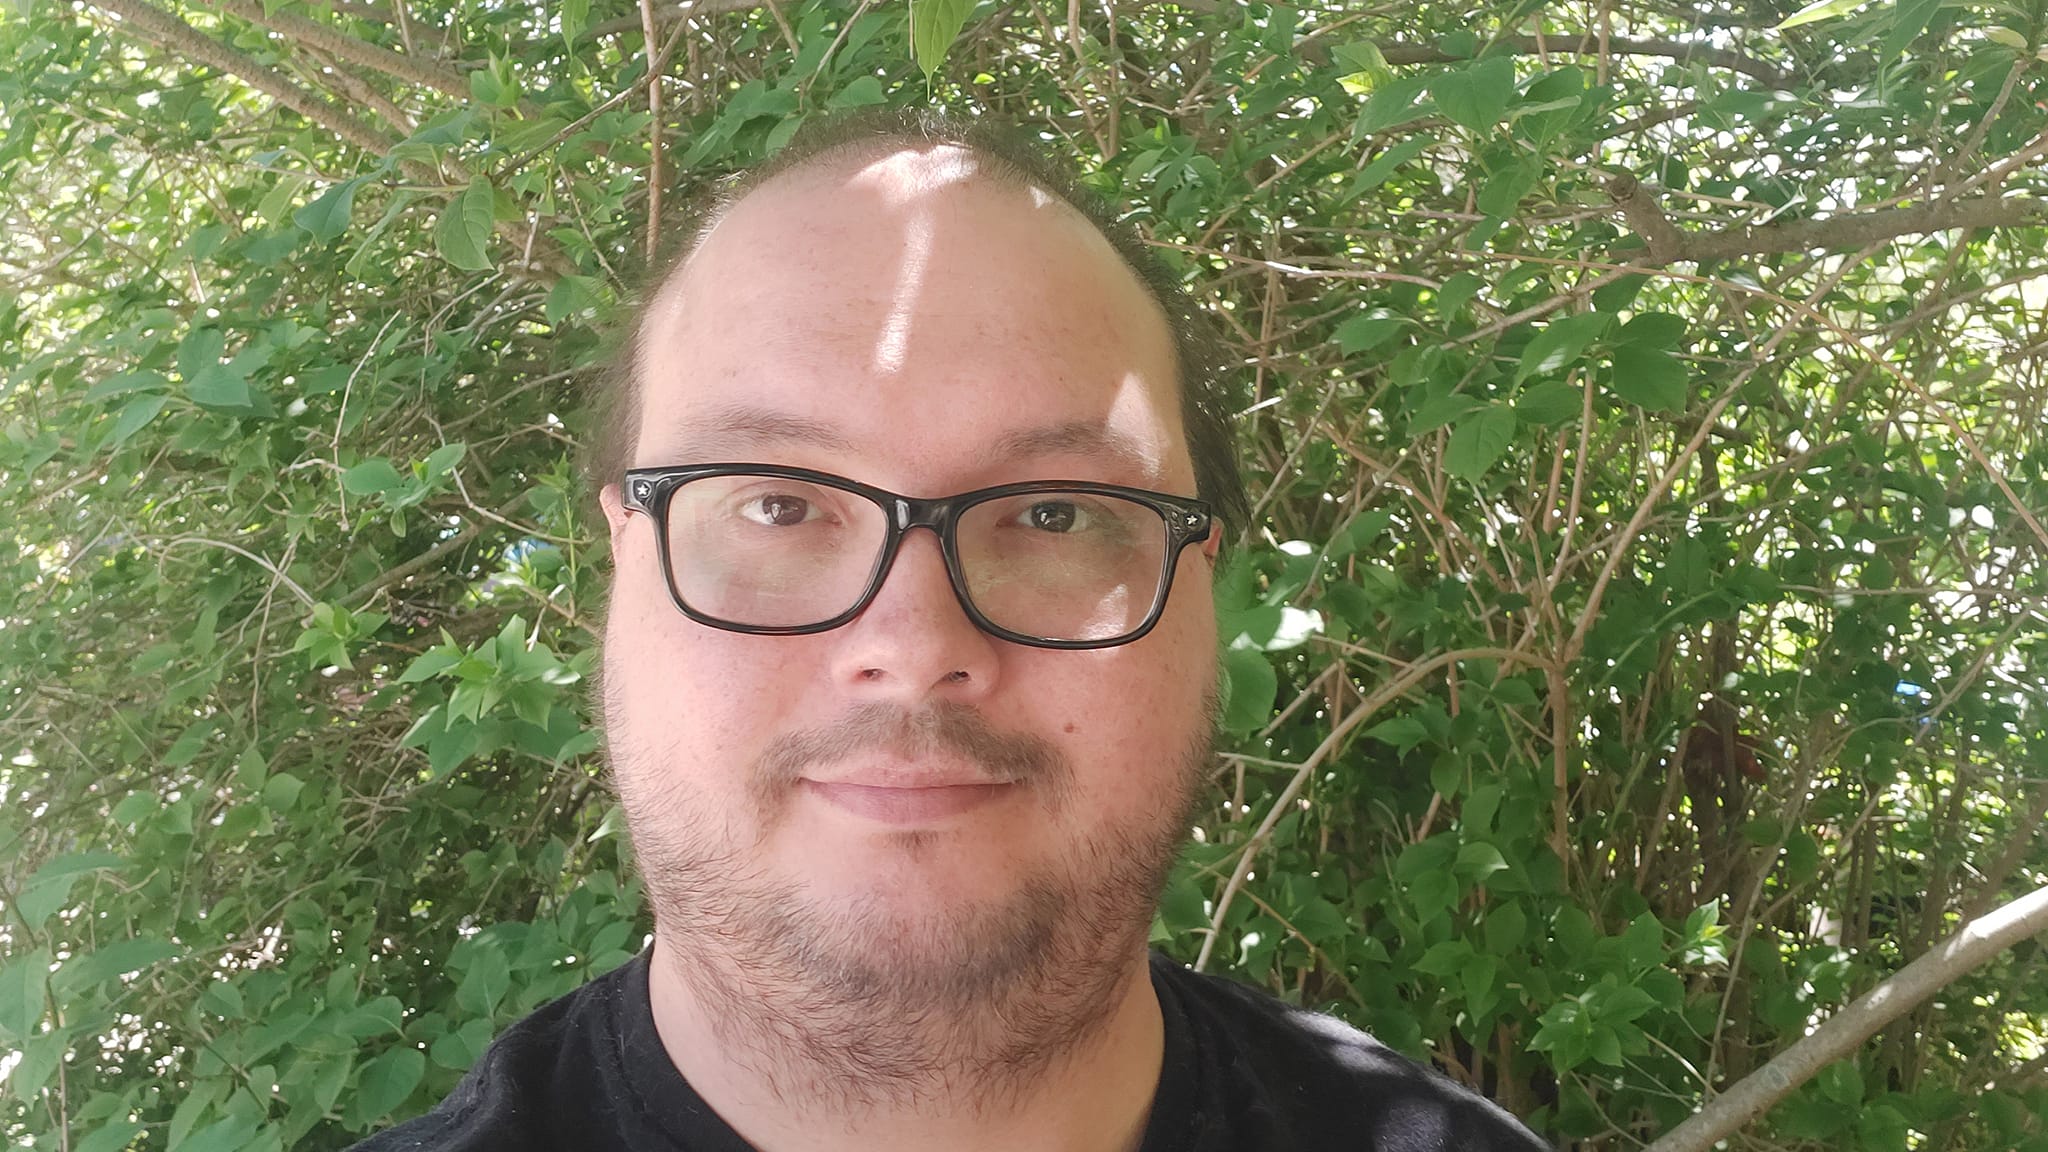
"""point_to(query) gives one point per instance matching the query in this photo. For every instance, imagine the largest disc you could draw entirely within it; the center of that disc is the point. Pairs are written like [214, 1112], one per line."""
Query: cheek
[684, 700]
[1127, 726]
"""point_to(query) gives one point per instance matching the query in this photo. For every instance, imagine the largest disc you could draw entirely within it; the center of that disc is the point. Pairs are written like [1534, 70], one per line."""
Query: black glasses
[787, 551]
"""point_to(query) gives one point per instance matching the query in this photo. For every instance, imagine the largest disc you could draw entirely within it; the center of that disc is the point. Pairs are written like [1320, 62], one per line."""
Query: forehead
[915, 311]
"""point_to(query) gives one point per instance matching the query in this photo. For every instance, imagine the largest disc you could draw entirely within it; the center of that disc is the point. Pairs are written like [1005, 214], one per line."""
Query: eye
[778, 510]
[1060, 516]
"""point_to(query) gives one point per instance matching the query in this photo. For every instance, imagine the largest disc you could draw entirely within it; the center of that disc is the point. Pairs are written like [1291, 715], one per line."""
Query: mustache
[942, 728]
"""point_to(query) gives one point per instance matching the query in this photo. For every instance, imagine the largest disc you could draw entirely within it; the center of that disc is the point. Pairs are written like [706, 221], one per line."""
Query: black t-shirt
[1243, 1071]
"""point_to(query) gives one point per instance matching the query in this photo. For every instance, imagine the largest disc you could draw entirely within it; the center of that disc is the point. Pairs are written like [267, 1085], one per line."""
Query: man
[908, 684]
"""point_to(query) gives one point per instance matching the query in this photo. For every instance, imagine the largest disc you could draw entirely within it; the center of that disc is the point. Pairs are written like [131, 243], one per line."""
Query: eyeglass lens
[772, 552]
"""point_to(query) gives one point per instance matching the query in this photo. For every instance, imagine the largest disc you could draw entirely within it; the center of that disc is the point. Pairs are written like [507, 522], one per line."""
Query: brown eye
[1052, 516]
[779, 511]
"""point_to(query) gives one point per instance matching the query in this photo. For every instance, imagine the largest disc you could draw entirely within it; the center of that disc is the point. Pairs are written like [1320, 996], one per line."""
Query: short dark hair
[1008, 156]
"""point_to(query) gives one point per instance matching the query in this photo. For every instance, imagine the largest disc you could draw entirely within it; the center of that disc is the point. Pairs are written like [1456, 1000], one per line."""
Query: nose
[914, 640]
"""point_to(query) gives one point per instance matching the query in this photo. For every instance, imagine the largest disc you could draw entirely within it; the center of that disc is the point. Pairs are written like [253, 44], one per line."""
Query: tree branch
[670, 13]
[1570, 44]
[675, 10]
[1665, 243]
[1640, 208]
[167, 31]
[362, 53]
[1940, 966]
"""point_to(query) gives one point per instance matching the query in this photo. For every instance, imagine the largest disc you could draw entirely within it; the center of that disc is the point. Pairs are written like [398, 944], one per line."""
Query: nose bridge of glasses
[910, 512]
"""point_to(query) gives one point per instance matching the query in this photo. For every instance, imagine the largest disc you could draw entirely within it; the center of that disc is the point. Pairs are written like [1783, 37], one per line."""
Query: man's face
[910, 325]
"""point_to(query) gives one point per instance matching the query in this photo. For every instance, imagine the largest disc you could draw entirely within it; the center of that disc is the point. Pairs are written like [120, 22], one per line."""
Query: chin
[915, 939]
[909, 875]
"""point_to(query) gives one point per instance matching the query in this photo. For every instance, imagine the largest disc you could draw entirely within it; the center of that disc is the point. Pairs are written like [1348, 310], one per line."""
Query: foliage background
[1638, 655]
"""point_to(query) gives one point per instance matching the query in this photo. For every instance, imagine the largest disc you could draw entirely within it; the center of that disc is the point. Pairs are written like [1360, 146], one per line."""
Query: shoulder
[514, 1097]
[1327, 1083]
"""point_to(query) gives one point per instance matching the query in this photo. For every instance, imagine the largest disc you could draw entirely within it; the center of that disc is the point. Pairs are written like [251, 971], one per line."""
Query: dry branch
[1584, 44]
[1665, 243]
[161, 28]
[355, 50]
[1940, 966]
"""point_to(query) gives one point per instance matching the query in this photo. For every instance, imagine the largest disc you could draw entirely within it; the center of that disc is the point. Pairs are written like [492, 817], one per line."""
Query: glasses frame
[1185, 520]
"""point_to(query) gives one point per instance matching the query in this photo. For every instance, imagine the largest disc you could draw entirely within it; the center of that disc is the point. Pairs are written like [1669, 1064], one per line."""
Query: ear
[1213, 546]
[615, 514]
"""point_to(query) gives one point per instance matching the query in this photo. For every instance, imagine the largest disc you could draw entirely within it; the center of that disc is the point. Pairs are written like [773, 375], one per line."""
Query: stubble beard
[855, 1007]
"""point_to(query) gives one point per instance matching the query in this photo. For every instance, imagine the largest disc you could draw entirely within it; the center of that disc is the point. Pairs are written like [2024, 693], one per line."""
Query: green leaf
[113, 960]
[575, 17]
[1403, 732]
[1391, 106]
[223, 999]
[1457, 292]
[1440, 411]
[1475, 98]
[219, 386]
[203, 1094]
[1479, 441]
[460, 1048]
[1653, 330]
[199, 350]
[1606, 1046]
[486, 981]
[327, 217]
[494, 86]
[384, 1084]
[431, 663]
[574, 298]
[1506, 926]
[1250, 687]
[1649, 378]
[859, 93]
[934, 25]
[1823, 10]
[1363, 65]
[1505, 190]
[135, 416]
[1447, 775]
[50, 888]
[229, 1135]
[1560, 343]
[463, 235]
[281, 791]
[22, 985]
[1383, 166]
[1909, 19]
[1551, 403]
[1841, 1082]
[1368, 331]
[125, 382]
[1359, 531]
[370, 478]
[1478, 860]
[112, 1136]
[441, 461]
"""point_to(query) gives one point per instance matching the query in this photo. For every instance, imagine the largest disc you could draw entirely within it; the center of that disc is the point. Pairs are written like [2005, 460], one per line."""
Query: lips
[922, 801]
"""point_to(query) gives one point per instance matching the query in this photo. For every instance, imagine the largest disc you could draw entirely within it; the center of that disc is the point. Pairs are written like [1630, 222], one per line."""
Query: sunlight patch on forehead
[1135, 415]
[902, 177]
[892, 343]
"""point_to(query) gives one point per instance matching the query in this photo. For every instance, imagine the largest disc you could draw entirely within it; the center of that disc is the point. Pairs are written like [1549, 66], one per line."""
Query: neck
[796, 1077]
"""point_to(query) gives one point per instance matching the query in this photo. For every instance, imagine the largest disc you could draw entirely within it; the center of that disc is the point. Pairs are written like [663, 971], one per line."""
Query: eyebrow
[745, 425]
[1074, 438]
[748, 426]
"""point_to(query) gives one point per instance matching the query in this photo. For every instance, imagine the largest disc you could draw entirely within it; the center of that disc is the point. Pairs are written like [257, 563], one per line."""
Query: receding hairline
[820, 169]
[1005, 154]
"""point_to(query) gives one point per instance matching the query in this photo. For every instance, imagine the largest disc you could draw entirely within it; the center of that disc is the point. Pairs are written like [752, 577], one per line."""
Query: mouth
[907, 804]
